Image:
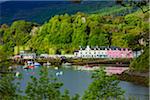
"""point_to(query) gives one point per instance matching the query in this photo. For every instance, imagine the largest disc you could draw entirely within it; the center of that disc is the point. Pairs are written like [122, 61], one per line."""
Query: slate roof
[102, 48]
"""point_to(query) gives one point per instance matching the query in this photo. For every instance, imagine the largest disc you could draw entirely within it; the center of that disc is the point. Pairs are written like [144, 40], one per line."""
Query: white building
[105, 52]
[91, 52]
[27, 55]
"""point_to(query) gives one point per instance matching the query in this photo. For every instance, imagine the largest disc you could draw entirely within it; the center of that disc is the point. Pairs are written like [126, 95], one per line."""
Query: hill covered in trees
[65, 33]
[68, 32]
[39, 11]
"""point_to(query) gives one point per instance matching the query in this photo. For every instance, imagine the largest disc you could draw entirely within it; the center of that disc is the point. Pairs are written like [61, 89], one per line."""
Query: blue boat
[36, 64]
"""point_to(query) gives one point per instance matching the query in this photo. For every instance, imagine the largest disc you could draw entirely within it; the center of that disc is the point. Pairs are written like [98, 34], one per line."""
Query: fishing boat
[29, 65]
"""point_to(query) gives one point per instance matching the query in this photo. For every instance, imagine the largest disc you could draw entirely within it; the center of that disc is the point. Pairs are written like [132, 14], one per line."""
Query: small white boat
[59, 73]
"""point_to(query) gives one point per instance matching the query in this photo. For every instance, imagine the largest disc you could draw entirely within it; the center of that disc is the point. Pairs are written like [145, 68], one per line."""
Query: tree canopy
[103, 87]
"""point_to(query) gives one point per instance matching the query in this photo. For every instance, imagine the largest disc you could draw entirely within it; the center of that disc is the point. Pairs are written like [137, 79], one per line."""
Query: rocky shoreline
[141, 78]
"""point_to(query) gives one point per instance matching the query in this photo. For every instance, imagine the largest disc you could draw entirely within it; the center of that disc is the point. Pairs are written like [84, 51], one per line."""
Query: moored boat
[36, 64]
[59, 73]
[31, 65]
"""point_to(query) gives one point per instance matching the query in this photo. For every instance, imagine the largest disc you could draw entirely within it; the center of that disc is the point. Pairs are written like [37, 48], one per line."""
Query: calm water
[78, 81]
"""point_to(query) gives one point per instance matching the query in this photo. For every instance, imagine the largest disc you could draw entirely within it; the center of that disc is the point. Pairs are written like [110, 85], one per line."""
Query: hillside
[40, 12]
[67, 32]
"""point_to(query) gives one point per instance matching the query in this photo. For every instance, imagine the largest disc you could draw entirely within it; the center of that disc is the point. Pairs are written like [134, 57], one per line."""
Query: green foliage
[4, 62]
[99, 39]
[67, 33]
[142, 62]
[103, 87]
[17, 34]
[132, 19]
[119, 40]
[8, 90]
[20, 30]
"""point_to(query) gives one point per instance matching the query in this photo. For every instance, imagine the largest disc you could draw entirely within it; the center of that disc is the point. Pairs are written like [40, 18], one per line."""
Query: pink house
[119, 53]
[104, 52]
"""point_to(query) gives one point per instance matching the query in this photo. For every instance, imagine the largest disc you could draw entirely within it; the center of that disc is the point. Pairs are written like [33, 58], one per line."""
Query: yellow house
[17, 49]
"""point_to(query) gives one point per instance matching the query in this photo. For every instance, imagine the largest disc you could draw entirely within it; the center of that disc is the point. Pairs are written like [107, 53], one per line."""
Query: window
[76, 54]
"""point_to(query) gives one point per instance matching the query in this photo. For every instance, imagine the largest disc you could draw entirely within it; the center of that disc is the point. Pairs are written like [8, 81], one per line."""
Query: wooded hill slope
[66, 33]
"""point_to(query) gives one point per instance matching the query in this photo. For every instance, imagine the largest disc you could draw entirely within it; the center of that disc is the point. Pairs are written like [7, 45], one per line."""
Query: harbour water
[77, 82]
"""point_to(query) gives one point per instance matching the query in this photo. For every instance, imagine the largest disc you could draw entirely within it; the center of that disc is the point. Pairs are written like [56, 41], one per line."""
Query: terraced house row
[106, 52]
